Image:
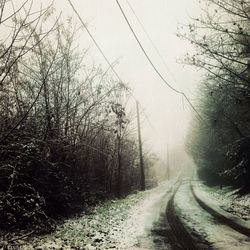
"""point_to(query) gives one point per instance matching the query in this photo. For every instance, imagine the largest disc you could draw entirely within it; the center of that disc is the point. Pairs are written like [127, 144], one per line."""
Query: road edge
[233, 221]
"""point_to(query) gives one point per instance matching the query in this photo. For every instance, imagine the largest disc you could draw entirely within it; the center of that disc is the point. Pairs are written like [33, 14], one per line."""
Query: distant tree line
[65, 137]
[220, 142]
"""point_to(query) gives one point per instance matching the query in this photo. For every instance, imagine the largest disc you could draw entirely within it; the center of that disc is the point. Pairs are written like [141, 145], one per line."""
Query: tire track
[179, 236]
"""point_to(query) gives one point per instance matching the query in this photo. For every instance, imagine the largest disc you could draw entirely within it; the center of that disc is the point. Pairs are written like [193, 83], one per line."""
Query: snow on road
[139, 222]
[116, 224]
[203, 224]
[137, 229]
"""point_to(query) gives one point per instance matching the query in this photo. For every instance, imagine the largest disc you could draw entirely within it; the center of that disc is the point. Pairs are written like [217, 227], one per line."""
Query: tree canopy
[220, 141]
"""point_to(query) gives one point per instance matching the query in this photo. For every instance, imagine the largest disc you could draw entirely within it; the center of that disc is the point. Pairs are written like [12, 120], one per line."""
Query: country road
[166, 217]
[181, 223]
[204, 227]
[136, 222]
[124, 125]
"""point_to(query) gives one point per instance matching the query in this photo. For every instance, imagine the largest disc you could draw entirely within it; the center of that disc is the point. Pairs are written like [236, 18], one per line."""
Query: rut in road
[203, 225]
[169, 232]
[180, 237]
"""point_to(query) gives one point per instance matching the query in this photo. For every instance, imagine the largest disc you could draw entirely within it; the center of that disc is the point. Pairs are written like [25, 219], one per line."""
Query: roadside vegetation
[220, 142]
[66, 139]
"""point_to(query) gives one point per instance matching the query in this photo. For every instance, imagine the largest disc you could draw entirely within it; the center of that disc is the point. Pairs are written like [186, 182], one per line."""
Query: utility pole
[168, 167]
[142, 181]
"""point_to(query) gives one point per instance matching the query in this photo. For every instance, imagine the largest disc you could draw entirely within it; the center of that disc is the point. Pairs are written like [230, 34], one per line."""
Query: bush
[34, 189]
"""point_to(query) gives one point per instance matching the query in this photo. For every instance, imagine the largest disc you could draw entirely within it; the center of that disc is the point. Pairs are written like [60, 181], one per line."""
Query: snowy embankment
[114, 224]
[228, 200]
[212, 206]
[207, 231]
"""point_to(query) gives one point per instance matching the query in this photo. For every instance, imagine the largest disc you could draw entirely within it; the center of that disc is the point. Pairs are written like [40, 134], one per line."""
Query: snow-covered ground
[229, 200]
[116, 224]
[203, 225]
[139, 222]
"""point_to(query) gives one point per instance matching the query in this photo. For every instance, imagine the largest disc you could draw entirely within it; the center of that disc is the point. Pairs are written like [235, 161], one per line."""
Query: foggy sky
[164, 108]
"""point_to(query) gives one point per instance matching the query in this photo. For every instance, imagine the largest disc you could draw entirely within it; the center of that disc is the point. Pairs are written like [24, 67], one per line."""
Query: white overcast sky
[160, 18]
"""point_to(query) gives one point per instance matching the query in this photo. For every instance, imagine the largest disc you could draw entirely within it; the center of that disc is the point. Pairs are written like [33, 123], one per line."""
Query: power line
[152, 64]
[110, 65]
[151, 40]
[106, 59]
[160, 56]
[95, 42]
[98, 46]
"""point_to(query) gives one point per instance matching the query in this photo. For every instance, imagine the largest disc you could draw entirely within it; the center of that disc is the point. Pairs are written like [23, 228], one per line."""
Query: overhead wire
[106, 59]
[152, 64]
[93, 39]
[151, 40]
[157, 52]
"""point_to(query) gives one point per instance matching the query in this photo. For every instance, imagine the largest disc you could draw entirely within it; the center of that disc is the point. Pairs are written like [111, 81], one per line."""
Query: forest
[219, 142]
[70, 131]
[66, 139]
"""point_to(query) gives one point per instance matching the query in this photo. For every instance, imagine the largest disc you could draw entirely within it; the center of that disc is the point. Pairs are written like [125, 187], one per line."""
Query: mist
[166, 115]
[124, 124]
